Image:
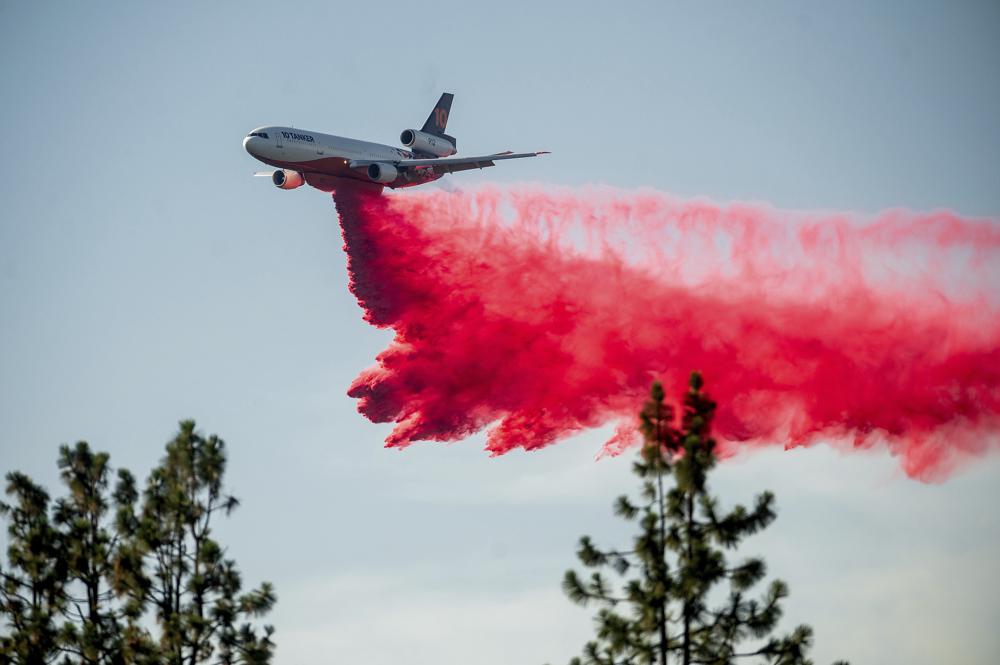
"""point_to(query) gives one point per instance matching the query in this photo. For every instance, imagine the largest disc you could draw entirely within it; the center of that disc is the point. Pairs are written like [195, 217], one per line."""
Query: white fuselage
[320, 157]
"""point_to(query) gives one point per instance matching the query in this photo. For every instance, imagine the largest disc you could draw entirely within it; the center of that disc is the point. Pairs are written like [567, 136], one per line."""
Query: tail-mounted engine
[285, 179]
[428, 144]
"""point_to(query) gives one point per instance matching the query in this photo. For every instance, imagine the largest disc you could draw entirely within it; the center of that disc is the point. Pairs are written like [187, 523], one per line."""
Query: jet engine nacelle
[427, 143]
[285, 179]
[382, 172]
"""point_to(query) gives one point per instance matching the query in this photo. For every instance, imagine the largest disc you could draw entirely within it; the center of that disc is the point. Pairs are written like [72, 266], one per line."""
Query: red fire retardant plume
[540, 313]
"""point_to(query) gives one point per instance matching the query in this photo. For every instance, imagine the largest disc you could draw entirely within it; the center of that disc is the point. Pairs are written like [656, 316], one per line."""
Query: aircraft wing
[446, 164]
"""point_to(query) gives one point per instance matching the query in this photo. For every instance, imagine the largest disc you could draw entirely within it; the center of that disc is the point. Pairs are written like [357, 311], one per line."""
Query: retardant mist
[538, 313]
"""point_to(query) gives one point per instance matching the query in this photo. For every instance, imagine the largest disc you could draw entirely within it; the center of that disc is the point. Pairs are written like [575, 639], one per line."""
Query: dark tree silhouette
[90, 577]
[31, 594]
[661, 611]
[91, 631]
[194, 590]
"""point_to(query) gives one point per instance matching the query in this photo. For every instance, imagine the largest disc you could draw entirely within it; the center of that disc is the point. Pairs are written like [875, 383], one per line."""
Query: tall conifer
[118, 577]
[91, 630]
[662, 610]
[31, 589]
[195, 591]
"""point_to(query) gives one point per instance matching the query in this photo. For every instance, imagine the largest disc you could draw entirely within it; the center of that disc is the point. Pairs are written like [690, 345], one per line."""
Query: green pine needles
[658, 608]
[115, 576]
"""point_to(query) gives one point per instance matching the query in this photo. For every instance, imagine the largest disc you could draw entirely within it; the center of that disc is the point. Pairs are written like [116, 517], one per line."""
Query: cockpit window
[263, 135]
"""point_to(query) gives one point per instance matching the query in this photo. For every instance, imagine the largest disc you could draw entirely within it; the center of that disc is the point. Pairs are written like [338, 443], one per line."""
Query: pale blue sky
[145, 278]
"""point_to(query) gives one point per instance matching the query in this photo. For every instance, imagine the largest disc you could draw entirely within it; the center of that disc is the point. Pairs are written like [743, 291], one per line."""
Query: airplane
[324, 161]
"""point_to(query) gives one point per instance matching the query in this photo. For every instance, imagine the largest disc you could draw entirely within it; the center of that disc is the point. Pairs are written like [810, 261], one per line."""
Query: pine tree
[128, 580]
[82, 584]
[663, 612]
[31, 593]
[92, 630]
[194, 590]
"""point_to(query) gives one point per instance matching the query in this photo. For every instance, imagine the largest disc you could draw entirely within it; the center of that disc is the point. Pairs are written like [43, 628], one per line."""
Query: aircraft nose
[249, 144]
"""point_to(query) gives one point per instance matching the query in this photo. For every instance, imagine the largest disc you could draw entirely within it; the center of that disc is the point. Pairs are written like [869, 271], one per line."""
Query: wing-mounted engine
[285, 179]
[422, 143]
[382, 173]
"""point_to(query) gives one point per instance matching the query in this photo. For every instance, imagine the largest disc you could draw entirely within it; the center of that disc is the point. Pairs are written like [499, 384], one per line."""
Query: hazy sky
[145, 277]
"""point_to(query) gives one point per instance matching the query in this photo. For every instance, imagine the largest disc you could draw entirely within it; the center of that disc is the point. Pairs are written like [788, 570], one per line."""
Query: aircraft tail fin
[437, 121]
